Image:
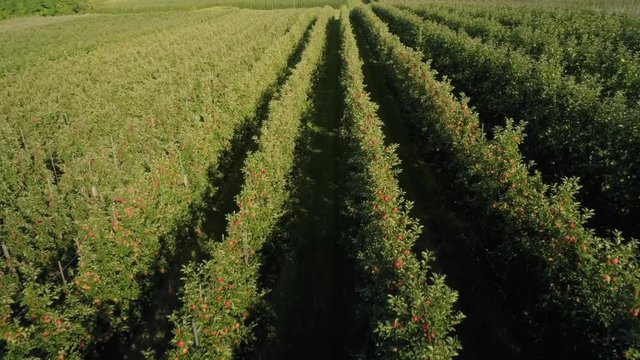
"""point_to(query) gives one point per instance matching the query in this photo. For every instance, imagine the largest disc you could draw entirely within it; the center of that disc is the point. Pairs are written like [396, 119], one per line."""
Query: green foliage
[624, 7]
[410, 310]
[574, 40]
[219, 294]
[28, 43]
[9, 8]
[113, 126]
[573, 130]
[583, 42]
[108, 225]
[593, 282]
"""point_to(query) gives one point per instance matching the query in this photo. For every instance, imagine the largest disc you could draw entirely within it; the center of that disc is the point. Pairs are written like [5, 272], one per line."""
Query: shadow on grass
[308, 311]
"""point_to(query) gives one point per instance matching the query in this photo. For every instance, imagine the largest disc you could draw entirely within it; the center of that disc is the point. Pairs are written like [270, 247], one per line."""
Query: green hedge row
[593, 283]
[588, 58]
[571, 129]
[410, 308]
[219, 293]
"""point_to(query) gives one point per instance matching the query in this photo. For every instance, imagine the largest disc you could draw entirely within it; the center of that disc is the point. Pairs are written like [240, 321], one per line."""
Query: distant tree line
[9, 8]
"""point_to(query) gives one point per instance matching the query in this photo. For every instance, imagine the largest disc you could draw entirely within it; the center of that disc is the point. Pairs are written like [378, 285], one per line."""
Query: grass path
[312, 293]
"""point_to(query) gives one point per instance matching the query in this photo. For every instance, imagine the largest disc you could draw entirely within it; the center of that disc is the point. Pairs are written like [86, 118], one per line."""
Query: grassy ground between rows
[311, 275]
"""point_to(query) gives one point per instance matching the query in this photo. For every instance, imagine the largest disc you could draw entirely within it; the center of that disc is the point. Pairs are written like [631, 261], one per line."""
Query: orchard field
[319, 179]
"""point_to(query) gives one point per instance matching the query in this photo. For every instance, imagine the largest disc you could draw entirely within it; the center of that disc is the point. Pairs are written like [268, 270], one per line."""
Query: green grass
[15, 8]
[120, 6]
[308, 267]
[275, 4]
[148, 5]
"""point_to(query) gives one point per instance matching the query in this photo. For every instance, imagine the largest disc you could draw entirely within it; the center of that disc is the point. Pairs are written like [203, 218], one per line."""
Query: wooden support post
[5, 250]
[246, 251]
[113, 150]
[53, 166]
[24, 141]
[195, 333]
[64, 280]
